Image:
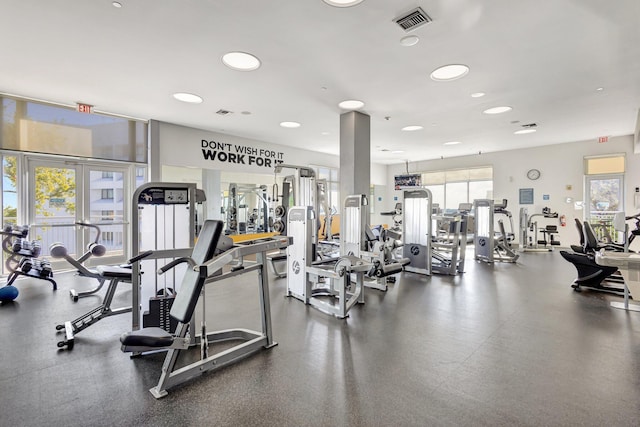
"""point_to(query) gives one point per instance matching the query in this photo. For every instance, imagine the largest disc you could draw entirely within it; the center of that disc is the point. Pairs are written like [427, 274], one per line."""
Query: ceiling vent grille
[413, 19]
[530, 125]
[223, 112]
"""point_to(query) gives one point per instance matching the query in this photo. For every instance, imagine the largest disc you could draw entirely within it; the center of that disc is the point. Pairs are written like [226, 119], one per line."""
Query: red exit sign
[84, 108]
[603, 139]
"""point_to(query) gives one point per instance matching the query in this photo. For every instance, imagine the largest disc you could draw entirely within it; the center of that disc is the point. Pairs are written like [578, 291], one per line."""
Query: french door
[61, 193]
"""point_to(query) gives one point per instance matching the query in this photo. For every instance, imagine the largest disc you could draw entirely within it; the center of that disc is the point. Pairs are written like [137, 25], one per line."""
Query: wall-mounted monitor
[409, 180]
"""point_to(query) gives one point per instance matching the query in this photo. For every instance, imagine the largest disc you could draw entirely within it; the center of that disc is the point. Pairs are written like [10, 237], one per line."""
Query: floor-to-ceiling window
[450, 188]
[61, 167]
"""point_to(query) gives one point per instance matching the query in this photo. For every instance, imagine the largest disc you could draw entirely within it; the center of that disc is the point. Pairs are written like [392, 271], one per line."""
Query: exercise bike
[94, 249]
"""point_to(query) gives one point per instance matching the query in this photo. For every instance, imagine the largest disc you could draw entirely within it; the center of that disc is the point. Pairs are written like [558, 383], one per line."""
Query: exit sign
[84, 108]
[603, 139]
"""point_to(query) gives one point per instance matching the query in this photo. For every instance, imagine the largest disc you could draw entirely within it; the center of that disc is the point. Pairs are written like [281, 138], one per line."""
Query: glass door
[63, 193]
[106, 205]
[53, 206]
[604, 197]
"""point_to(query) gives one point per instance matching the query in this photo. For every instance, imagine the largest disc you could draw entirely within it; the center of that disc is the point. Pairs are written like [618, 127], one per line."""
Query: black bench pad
[147, 337]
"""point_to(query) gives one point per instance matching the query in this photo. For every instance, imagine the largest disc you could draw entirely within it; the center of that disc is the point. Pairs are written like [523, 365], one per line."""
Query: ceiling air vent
[413, 19]
[223, 112]
[530, 125]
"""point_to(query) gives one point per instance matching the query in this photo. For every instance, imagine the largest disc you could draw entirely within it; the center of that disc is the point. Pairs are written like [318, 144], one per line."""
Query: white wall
[181, 147]
[560, 165]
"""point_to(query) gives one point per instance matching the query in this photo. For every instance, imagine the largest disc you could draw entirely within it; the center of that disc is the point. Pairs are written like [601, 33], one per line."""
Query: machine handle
[175, 262]
[139, 257]
[86, 224]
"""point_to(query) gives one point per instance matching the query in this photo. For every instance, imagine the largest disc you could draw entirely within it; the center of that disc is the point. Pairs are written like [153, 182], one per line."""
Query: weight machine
[531, 243]
[242, 216]
[302, 188]
[319, 283]
[449, 244]
[396, 217]
[204, 268]
[299, 189]
[432, 243]
[416, 230]
[490, 245]
[164, 222]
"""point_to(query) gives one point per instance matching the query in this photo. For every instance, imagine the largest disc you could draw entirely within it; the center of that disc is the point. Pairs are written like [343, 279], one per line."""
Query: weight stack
[158, 314]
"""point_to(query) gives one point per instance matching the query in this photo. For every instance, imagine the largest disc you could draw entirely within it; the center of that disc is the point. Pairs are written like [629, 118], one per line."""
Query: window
[332, 177]
[107, 193]
[451, 187]
[107, 175]
[55, 129]
[107, 238]
[107, 215]
[604, 194]
[601, 165]
[141, 175]
[9, 193]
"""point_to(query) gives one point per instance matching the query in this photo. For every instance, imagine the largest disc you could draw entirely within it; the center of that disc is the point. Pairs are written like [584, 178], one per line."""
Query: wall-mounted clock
[533, 174]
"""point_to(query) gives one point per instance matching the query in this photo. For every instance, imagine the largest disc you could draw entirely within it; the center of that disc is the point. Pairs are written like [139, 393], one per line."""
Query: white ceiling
[544, 58]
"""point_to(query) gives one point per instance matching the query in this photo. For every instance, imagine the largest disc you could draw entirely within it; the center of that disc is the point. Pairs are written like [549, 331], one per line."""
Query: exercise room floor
[502, 344]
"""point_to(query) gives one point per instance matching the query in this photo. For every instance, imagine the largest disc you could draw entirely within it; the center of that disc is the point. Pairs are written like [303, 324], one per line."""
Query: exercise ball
[8, 293]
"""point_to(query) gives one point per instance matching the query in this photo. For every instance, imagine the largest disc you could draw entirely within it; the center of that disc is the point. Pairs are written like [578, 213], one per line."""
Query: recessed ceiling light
[116, 4]
[411, 128]
[342, 3]
[188, 97]
[290, 125]
[478, 95]
[452, 143]
[409, 41]
[449, 72]
[524, 131]
[324, 133]
[600, 89]
[241, 61]
[397, 152]
[351, 104]
[497, 110]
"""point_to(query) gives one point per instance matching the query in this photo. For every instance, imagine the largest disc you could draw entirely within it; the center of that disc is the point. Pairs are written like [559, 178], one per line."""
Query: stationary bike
[94, 249]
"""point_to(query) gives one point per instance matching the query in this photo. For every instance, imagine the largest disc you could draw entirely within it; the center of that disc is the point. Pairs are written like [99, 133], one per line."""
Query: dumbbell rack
[24, 255]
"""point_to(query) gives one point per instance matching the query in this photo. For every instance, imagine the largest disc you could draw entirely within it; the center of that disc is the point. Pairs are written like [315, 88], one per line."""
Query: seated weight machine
[381, 247]
[396, 217]
[205, 268]
[432, 243]
[340, 279]
[449, 244]
[164, 223]
[531, 242]
[492, 245]
[24, 256]
[301, 188]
